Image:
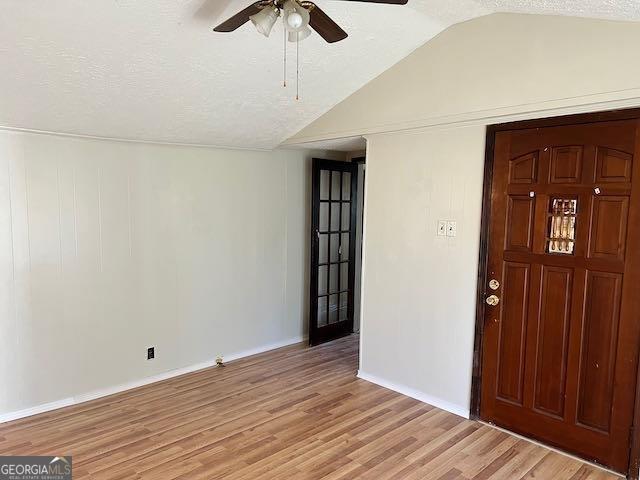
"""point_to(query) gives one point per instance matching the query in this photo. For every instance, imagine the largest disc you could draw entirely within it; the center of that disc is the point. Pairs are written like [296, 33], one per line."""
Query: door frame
[481, 290]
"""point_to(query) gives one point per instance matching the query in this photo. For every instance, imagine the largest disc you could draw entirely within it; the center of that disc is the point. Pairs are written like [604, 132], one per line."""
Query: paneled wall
[108, 248]
[419, 288]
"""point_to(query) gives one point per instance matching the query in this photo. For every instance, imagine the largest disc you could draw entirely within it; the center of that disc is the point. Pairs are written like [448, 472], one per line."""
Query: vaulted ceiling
[153, 70]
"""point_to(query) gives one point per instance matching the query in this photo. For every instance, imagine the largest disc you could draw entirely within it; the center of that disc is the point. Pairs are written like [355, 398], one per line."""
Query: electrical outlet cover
[442, 228]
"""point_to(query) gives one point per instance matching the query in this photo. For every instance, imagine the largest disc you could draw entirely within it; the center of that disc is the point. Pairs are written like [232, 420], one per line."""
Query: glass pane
[344, 276]
[323, 248]
[322, 280]
[333, 278]
[344, 247]
[346, 186]
[335, 185]
[344, 305]
[322, 311]
[335, 216]
[324, 184]
[562, 226]
[324, 217]
[335, 247]
[333, 308]
[346, 215]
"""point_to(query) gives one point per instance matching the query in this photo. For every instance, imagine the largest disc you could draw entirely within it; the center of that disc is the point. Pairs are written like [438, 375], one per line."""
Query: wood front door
[561, 326]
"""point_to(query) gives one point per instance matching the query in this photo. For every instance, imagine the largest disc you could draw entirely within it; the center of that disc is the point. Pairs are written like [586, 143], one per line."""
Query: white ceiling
[153, 70]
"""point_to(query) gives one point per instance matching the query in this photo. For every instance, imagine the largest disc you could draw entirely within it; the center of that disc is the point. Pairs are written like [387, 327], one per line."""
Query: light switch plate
[442, 228]
[452, 229]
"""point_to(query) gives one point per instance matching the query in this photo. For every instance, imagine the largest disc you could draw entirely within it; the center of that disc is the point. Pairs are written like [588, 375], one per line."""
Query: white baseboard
[418, 395]
[45, 407]
[104, 392]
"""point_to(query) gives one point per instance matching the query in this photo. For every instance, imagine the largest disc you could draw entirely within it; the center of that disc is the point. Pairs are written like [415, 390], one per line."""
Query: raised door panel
[512, 333]
[566, 164]
[524, 169]
[608, 227]
[598, 349]
[553, 340]
[613, 166]
[520, 220]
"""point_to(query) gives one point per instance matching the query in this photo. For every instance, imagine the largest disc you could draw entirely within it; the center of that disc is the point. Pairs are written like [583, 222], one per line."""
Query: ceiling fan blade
[239, 18]
[322, 23]
[393, 2]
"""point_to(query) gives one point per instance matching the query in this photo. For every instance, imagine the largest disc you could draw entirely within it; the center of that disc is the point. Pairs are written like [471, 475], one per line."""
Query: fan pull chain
[284, 73]
[297, 68]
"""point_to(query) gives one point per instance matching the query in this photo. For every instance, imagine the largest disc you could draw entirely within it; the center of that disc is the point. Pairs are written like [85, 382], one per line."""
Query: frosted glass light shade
[300, 35]
[265, 19]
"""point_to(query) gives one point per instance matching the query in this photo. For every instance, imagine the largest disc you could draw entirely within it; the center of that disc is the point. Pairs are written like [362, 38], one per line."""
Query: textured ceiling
[153, 70]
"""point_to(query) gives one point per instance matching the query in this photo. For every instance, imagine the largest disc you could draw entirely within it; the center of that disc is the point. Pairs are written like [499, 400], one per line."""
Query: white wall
[419, 288]
[107, 248]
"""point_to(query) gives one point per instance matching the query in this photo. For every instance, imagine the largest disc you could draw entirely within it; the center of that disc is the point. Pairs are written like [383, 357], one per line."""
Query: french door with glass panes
[333, 234]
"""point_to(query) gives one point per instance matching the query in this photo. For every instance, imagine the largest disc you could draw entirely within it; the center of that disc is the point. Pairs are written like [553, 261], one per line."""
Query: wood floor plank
[294, 413]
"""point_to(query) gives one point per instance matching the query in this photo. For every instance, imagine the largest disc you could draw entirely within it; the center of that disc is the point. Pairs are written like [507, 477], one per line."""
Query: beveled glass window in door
[333, 245]
[562, 226]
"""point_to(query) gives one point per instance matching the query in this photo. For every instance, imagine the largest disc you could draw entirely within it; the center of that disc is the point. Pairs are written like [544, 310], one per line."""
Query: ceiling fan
[298, 16]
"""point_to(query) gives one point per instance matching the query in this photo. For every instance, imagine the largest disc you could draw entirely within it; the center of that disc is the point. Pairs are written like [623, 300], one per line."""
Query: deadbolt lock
[494, 284]
[492, 300]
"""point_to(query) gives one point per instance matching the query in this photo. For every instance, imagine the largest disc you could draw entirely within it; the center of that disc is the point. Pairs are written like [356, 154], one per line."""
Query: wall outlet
[442, 228]
[452, 229]
[151, 353]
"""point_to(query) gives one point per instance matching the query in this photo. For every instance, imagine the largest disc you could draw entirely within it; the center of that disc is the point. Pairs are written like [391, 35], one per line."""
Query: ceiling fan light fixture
[265, 19]
[300, 35]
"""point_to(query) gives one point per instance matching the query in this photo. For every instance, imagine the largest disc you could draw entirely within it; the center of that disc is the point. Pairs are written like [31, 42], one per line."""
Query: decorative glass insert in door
[562, 226]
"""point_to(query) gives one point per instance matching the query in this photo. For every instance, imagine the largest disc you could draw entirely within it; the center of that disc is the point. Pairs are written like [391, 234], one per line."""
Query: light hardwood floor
[294, 413]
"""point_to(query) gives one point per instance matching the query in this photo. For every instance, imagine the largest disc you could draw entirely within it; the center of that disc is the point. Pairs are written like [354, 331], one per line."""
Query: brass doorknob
[492, 300]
